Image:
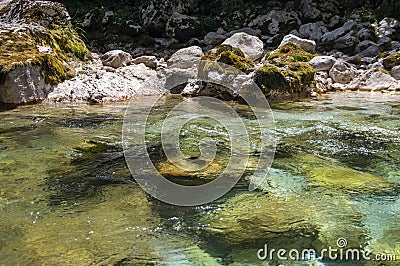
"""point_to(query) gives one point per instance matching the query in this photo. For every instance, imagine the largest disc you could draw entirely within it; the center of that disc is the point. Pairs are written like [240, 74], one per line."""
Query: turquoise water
[67, 196]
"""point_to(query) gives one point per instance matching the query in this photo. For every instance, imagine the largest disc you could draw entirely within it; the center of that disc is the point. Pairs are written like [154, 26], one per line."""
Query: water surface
[67, 196]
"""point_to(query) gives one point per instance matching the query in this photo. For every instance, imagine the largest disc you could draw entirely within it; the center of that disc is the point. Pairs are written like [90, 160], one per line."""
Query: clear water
[67, 197]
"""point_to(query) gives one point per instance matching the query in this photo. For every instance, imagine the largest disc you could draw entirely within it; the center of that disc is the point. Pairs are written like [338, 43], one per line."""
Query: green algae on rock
[332, 174]
[251, 219]
[285, 70]
[391, 61]
[229, 55]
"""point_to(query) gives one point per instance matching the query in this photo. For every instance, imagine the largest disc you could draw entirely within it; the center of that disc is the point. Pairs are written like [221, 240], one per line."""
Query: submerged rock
[253, 219]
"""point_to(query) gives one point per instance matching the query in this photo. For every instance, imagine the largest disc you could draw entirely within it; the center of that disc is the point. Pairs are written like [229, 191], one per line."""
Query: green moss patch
[229, 55]
[391, 61]
[286, 70]
[20, 46]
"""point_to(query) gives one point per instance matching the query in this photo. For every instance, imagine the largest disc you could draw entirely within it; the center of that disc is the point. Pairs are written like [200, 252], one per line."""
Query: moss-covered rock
[285, 69]
[39, 34]
[391, 61]
[229, 55]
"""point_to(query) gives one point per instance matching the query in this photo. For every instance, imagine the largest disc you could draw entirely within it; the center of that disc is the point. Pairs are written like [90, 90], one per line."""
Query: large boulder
[322, 63]
[38, 49]
[251, 46]
[106, 84]
[306, 45]
[342, 72]
[116, 58]
[183, 66]
[286, 73]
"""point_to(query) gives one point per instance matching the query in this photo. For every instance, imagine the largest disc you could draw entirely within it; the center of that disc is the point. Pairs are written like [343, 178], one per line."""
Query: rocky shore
[43, 58]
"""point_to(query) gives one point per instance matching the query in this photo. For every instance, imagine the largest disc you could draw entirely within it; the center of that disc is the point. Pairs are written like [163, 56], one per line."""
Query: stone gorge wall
[142, 25]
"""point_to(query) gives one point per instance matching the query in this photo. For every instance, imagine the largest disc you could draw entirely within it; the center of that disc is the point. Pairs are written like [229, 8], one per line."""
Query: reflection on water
[67, 197]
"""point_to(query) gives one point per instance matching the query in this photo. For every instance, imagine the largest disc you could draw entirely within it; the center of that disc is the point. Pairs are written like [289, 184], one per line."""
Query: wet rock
[285, 73]
[24, 85]
[322, 63]
[306, 45]
[313, 31]
[116, 59]
[342, 72]
[251, 46]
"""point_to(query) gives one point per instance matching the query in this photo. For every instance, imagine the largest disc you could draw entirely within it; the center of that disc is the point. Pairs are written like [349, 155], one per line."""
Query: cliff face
[134, 24]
